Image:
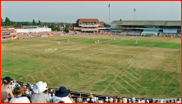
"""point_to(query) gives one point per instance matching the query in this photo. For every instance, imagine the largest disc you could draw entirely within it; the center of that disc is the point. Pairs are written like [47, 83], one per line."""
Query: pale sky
[70, 11]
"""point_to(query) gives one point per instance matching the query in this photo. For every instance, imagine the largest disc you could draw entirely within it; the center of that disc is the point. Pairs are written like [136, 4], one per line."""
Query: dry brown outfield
[101, 68]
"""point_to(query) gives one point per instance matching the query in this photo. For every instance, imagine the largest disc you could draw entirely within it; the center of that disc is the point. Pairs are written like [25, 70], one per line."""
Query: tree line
[8, 22]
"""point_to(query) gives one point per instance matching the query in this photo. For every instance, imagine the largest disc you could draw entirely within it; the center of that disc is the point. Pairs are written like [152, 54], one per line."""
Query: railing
[77, 28]
[104, 28]
[89, 30]
[89, 25]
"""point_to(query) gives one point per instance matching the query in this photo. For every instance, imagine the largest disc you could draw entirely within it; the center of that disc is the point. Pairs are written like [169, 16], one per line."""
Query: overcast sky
[70, 11]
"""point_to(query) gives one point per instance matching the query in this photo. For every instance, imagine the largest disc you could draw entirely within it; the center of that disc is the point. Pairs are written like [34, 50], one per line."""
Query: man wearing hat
[62, 95]
[39, 96]
[5, 91]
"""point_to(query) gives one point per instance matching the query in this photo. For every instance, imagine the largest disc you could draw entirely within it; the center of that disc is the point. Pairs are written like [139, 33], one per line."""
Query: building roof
[148, 23]
[87, 20]
[7, 30]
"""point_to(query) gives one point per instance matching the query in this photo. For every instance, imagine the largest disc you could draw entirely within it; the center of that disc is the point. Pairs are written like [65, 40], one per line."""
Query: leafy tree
[39, 22]
[120, 19]
[52, 27]
[57, 28]
[26, 23]
[7, 21]
[2, 24]
[66, 27]
[33, 22]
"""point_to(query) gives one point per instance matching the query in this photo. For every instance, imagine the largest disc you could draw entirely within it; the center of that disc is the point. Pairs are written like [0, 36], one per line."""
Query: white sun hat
[39, 87]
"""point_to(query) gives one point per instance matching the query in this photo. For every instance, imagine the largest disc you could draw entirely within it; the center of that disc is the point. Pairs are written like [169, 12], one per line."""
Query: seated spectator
[101, 101]
[158, 102]
[91, 101]
[178, 101]
[147, 101]
[133, 100]
[106, 100]
[79, 99]
[19, 99]
[120, 100]
[39, 96]
[139, 101]
[124, 100]
[115, 100]
[111, 99]
[5, 91]
[62, 95]
[143, 100]
[161, 101]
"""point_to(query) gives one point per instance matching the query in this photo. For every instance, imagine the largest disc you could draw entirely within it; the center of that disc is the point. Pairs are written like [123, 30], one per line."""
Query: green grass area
[126, 43]
[83, 40]
[17, 67]
[108, 68]
[148, 44]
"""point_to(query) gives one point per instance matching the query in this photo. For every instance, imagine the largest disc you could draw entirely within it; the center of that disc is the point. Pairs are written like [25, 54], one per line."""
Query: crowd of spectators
[61, 33]
[170, 34]
[40, 34]
[18, 92]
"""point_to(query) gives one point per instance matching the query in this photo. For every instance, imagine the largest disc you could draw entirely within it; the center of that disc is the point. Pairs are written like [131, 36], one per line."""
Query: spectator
[62, 95]
[5, 91]
[170, 101]
[115, 100]
[156, 101]
[133, 100]
[19, 99]
[101, 101]
[120, 100]
[111, 99]
[106, 100]
[143, 100]
[91, 101]
[124, 100]
[88, 98]
[39, 96]
[178, 101]
[85, 101]
[79, 99]
[161, 101]
[139, 101]
[151, 101]
[147, 101]
[174, 101]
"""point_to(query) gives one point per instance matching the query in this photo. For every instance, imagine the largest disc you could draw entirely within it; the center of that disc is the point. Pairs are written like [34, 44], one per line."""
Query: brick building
[89, 26]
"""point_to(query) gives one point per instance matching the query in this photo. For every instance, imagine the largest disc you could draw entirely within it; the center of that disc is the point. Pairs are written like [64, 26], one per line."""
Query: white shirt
[124, 100]
[143, 101]
[19, 100]
[178, 101]
[111, 100]
[65, 99]
[88, 99]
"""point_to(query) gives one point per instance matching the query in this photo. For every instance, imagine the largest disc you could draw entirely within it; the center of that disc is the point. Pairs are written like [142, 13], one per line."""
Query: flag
[109, 5]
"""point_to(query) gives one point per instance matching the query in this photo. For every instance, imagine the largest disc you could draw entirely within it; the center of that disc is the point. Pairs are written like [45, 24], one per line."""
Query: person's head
[40, 87]
[61, 102]
[18, 90]
[62, 92]
[7, 80]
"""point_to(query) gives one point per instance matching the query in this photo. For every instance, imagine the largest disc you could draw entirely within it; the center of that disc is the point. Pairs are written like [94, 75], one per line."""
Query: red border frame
[86, 0]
